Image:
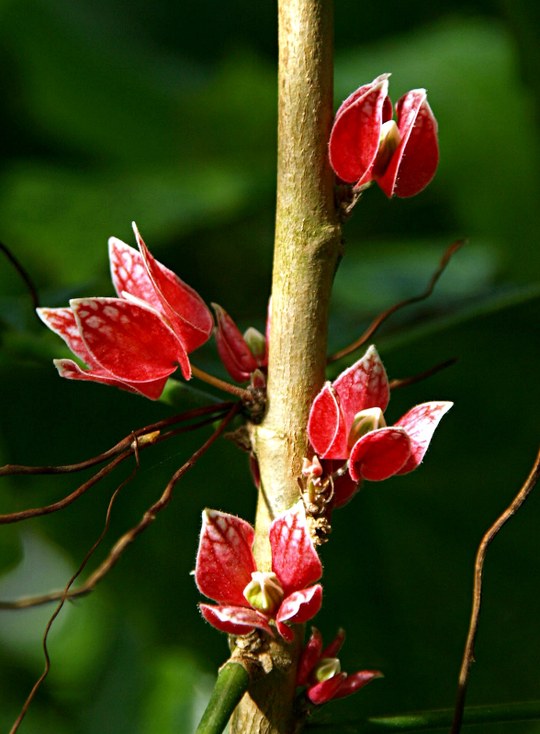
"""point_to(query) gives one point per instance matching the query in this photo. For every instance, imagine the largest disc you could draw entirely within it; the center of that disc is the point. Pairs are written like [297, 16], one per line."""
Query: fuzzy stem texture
[307, 246]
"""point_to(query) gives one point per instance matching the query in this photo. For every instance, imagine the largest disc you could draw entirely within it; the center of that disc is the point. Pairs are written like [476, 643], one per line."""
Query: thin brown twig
[214, 409]
[406, 381]
[228, 387]
[138, 444]
[125, 540]
[32, 290]
[468, 653]
[381, 318]
[65, 596]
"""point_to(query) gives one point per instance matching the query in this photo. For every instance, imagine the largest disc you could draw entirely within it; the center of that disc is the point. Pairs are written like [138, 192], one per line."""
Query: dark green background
[165, 113]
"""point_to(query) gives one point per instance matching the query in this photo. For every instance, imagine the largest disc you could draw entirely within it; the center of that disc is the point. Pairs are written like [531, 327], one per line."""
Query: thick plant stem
[307, 246]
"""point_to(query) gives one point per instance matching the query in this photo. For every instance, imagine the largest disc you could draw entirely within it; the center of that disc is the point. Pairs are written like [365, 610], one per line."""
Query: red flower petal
[297, 608]
[62, 322]
[355, 681]
[415, 160]
[130, 341]
[332, 650]
[129, 274]
[363, 385]
[354, 140]
[326, 426]
[379, 454]
[326, 690]
[71, 371]
[184, 307]
[311, 655]
[232, 348]
[234, 620]
[224, 559]
[294, 558]
[420, 423]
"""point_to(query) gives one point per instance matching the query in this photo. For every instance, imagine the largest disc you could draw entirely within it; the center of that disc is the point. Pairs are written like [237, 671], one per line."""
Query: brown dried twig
[125, 540]
[25, 277]
[381, 318]
[406, 381]
[468, 653]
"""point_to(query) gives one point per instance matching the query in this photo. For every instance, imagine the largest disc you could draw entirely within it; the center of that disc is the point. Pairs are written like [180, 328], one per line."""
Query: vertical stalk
[307, 245]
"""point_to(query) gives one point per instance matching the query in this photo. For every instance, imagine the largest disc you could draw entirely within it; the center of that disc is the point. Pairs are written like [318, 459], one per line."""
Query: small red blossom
[250, 599]
[241, 354]
[137, 340]
[346, 424]
[320, 671]
[367, 145]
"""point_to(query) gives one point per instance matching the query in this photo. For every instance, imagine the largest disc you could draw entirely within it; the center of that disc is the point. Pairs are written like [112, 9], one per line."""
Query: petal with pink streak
[71, 371]
[363, 385]
[184, 307]
[420, 423]
[294, 558]
[415, 160]
[235, 620]
[327, 431]
[129, 341]
[354, 140]
[224, 559]
[379, 454]
[299, 607]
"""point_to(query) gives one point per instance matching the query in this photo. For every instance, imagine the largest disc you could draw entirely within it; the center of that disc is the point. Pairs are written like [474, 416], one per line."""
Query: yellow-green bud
[365, 421]
[256, 342]
[264, 592]
[389, 140]
[327, 668]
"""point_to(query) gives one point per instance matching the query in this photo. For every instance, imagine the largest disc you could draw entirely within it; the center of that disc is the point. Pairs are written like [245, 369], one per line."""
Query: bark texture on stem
[307, 245]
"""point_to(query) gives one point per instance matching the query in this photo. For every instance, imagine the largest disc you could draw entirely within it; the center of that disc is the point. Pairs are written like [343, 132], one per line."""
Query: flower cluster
[250, 599]
[367, 145]
[137, 340]
[347, 429]
[320, 671]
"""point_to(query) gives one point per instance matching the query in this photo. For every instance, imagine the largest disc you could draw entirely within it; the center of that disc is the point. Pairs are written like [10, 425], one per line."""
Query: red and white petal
[355, 681]
[235, 620]
[62, 322]
[415, 160]
[129, 274]
[184, 307]
[294, 558]
[420, 423]
[311, 654]
[327, 431]
[363, 385]
[299, 607]
[130, 341]
[354, 140]
[326, 690]
[71, 371]
[379, 454]
[224, 559]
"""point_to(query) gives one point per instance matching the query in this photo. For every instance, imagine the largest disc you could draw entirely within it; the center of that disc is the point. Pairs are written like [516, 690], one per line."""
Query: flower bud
[256, 343]
[264, 592]
[388, 143]
[365, 421]
[326, 668]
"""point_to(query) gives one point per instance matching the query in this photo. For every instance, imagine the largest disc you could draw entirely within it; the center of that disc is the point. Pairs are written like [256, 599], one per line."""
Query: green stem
[231, 684]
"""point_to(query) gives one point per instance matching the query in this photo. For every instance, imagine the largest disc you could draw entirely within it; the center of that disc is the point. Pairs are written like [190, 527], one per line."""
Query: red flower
[367, 145]
[320, 671]
[135, 341]
[346, 423]
[247, 598]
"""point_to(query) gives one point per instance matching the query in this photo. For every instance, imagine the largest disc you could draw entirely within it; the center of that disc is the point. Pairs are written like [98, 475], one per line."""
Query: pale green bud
[264, 592]
[256, 342]
[365, 421]
[327, 668]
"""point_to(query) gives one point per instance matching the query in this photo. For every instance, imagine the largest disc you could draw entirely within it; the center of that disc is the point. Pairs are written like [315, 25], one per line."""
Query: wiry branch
[381, 318]
[406, 381]
[127, 539]
[468, 653]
